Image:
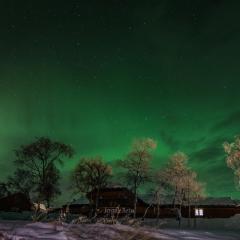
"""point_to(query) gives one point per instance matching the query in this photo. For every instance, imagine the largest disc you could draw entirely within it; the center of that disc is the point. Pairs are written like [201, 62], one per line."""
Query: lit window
[198, 212]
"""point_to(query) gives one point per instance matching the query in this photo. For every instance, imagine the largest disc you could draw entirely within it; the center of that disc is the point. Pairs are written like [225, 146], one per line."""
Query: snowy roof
[167, 200]
[150, 199]
[226, 201]
[81, 200]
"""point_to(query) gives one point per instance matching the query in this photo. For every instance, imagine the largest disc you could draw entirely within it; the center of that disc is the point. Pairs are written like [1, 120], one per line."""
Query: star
[130, 28]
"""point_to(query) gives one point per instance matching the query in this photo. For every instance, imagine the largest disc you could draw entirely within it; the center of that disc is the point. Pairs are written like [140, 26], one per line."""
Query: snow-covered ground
[20, 230]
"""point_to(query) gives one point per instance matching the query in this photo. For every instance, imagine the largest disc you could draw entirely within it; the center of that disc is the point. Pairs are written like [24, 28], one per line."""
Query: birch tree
[136, 165]
[180, 180]
[232, 151]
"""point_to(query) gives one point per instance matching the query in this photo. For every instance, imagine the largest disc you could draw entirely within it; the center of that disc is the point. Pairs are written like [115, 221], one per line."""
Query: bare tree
[155, 200]
[193, 190]
[181, 181]
[174, 174]
[3, 189]
[51, 187]
[91, 174]
[21, 181]
[39, 159]
[233, 158]
[137, 165]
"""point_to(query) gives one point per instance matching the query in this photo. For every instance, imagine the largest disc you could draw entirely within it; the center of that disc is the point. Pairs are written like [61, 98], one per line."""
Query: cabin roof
[164, 199]
[209, 201]
[221, 201]
[114, 189]
[81, 200]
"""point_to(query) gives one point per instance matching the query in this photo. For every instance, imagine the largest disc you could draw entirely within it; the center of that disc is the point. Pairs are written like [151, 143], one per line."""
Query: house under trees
[16, 202]
[120, 201]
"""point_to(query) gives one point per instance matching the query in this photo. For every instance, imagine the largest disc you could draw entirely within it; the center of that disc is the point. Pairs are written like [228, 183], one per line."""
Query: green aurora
[97, 75]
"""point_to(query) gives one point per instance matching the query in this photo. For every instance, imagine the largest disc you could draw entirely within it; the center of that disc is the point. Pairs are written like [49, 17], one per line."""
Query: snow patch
[54, 231]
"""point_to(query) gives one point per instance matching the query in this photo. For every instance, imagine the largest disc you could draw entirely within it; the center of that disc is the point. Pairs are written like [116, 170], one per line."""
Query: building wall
[110, 200]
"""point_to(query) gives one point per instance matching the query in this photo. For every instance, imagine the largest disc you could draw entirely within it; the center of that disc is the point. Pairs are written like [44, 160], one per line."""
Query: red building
[120, 200]
[16, 202]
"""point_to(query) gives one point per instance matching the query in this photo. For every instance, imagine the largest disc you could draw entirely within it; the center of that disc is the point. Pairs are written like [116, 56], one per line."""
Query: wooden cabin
[207, 208]
[120, 201]
[223, 207]
[76, 208]
[113, 197]
[79, 206]
[16, 202]
[116, 200]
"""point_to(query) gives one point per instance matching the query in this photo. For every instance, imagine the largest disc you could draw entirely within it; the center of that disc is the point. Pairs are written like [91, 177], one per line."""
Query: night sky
[97, 74]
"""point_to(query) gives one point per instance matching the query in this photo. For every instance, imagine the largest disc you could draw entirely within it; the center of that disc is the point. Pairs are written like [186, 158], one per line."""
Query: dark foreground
[25, 230]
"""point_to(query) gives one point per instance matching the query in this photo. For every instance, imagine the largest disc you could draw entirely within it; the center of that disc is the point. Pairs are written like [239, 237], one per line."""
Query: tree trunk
[91, 205]
[135, 202]
[145, 213]
[189, 215]
[48, 203]
[180, 215]
[195, 219]
[135, 206]
[189, 208]
[158, 213]
[97, 201]
[174, 198]
[158, 205]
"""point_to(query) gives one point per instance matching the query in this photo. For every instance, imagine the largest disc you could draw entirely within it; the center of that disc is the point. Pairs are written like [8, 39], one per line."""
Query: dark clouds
[232, 121]
[212, 150]
[169, 140]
